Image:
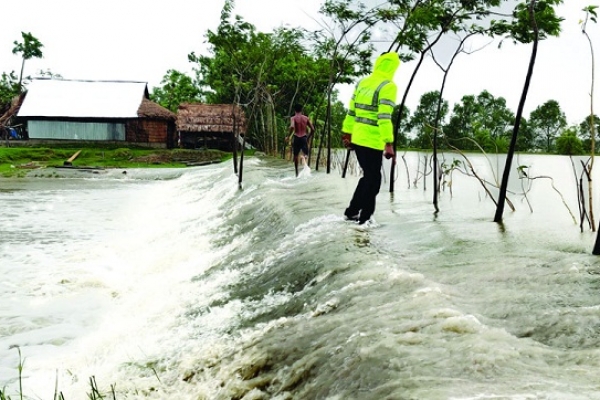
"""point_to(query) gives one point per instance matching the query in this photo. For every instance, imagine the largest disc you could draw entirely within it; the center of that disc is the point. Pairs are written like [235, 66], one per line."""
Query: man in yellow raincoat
[368, 130]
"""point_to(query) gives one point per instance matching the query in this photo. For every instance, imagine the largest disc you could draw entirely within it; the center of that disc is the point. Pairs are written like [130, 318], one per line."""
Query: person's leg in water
[304, 149]
[352, 213]
[296, 149]
[362, 205]
[296, 164]
[371, 170]
[300, 144]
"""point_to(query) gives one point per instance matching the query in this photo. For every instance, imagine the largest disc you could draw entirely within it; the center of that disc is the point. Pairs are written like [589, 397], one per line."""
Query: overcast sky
[140, 40]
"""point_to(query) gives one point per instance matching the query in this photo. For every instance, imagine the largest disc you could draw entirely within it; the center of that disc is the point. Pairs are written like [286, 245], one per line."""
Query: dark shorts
[300, 143]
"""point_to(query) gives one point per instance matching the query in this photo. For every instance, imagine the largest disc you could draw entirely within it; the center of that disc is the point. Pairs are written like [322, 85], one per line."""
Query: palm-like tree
[30, 47]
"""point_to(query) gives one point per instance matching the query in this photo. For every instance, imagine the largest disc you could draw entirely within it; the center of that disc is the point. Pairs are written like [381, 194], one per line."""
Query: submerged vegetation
[94, 392]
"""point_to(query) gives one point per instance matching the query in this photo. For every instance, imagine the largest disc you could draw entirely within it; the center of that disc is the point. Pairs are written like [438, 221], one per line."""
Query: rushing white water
[178, 284]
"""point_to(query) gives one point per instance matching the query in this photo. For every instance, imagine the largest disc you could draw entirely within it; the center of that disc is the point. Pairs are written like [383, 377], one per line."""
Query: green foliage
[267, 72]
[547, 121]
[94, 394]
[177, 88]
[525, 139]
[10, 85]
[29, 48]
[483, 118]
[585, 130]
[568, 143]
[3, 395]
[9, 88]
[591, 13]
[485, 122]
[338, 113]
[422, 23]
[519, 29]
[122, 154]
[13, 154]
[404, 128]
[424, 118]
[497, 144]
[19, 160]
[347, 41]
[585, 127]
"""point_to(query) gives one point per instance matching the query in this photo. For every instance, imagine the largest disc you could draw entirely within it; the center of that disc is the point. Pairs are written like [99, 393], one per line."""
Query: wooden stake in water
[346, 163]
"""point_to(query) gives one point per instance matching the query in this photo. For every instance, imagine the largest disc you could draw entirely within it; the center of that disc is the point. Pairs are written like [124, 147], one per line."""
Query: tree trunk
[21, 75]
[399, 117]
[513, 140]
[326, 125]
[592, 136]
[328, 128]
[235, 137]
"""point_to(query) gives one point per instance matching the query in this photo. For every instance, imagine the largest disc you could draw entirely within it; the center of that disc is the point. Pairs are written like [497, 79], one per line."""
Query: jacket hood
[386, 65]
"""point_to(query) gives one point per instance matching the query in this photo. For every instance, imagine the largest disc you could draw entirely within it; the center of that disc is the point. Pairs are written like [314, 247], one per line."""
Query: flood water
[178, 284]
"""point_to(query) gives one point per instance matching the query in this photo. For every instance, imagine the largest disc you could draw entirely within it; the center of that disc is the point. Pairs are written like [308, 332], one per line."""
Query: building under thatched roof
[155, 124]
[150, 109]
[210, 125]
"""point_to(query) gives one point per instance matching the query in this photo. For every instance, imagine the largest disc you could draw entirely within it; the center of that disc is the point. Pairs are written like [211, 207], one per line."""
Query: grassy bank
[18, 161]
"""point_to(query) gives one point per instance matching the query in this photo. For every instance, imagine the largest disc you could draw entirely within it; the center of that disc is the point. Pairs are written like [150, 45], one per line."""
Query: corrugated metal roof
[82, 99]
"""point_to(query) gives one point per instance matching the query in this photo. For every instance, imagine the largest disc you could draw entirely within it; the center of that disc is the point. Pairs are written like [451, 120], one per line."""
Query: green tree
[462, 123]
[585, 129]
[424, 117]
[265, 72]
[591, 15]
[338, 113]
[568, 143]
[344, 40]
[421, 26]
[437, 178]
[547, 122]
[9, 89]
[525, 139]
[402, 130]
[533, 22]
[29, 48]
[484, 119]
[177, 88]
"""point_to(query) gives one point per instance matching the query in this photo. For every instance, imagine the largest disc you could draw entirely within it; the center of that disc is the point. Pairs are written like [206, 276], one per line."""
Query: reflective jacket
[369, 118]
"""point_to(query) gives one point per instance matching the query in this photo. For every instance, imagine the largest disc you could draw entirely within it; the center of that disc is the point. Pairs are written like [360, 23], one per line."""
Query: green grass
[93, 394]
[18, 161]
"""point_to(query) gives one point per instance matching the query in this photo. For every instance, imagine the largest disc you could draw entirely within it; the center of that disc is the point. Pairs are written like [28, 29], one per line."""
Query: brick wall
[151, 131]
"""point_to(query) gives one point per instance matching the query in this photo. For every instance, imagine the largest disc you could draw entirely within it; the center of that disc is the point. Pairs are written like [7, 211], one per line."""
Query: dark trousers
[363, 200]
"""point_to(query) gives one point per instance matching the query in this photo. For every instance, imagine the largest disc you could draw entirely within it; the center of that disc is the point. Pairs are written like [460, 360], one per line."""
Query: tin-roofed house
[214, 126]
[108, 111]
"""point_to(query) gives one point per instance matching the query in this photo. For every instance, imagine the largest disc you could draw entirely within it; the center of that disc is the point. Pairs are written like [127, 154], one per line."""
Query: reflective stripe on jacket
[369, 117]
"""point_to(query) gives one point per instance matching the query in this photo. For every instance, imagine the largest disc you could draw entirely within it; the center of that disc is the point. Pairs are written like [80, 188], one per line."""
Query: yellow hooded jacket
[369, 118]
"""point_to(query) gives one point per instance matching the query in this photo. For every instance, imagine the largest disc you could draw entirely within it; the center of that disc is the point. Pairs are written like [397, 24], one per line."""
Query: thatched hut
[214, 126]
[154, 125]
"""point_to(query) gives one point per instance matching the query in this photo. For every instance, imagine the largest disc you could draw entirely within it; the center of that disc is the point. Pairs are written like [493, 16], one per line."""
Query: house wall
[209, 140]
[159, 132]
[52, 129]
